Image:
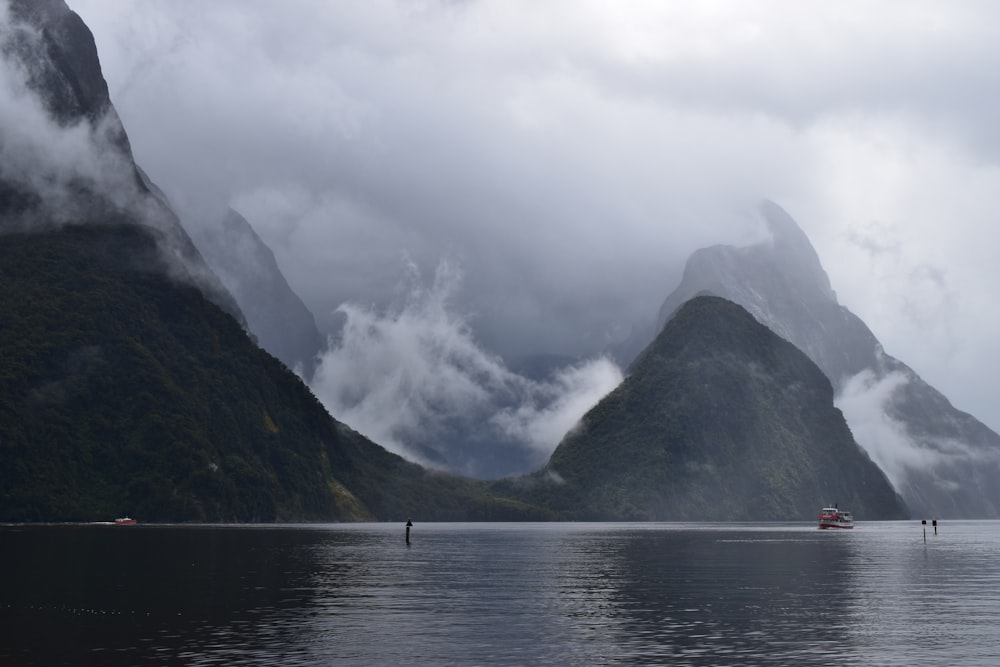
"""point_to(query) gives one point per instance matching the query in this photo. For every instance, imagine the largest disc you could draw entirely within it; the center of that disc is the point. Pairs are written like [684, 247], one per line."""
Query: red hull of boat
[834, 517]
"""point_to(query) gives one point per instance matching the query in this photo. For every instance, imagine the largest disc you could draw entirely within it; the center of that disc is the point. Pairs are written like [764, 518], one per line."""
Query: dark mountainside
[720, 420]
[276, 316]
[123, 392]
[123, 389]
[784, 286]
[56, 53]
[126, 388]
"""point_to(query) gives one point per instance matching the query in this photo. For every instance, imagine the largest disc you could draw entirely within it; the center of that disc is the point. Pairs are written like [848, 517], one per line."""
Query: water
[485, 594]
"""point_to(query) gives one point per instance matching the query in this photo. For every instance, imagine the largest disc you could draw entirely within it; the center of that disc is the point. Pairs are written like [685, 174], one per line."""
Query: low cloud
[865, 400]
[57, 162]
[414, 379]
[72, 164]
[575, 154]
[552, 408]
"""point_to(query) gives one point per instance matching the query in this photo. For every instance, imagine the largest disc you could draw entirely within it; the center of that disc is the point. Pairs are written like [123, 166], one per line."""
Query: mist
[73, 167]
[572, 155]
[413, 378]
[562, 160]
[866, 403]
[40, 155]
[863, 400]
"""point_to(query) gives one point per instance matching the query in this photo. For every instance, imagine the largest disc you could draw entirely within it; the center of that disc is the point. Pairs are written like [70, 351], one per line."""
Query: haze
[545, 169]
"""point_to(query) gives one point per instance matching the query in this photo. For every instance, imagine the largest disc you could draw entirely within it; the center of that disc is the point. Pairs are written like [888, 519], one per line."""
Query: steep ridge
[71, 156]
[949, 462]
[128, 383]
[719, 420]
[276, 316]
[124, 392]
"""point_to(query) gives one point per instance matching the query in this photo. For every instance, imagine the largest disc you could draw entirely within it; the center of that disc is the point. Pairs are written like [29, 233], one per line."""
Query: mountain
[943, 461]
[719, 420]
[275, 314]
[70, 156]
[124, 392]
[128, 381]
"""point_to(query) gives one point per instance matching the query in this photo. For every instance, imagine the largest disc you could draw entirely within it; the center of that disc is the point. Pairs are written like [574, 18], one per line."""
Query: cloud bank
[414, 379]
[865, 401]
[572, 154]
[55, 161]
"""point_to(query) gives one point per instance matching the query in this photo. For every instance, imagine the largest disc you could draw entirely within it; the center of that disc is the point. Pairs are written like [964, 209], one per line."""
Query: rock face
[943, 461]
[70, 160]
[720, 420]
[276, 316]
[60, 59]
[123, 392]
[128, 383]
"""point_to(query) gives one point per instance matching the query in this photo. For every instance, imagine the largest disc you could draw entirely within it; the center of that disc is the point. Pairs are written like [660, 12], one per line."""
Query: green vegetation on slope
[720, 420]
[123, 392]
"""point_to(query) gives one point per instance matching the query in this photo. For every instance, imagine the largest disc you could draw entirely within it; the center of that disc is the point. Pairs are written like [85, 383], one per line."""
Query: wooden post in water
[934, 522]
[923, 522]
[409, 524]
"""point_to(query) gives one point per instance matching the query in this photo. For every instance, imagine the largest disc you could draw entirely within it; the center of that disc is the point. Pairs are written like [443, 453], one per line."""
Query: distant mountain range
[943, 461]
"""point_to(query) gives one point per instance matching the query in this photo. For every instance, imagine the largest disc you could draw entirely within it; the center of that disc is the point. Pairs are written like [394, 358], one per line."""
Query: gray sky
[565, 157]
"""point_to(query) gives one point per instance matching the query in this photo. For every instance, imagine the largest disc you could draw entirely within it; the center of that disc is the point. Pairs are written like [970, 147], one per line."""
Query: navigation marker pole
[409, 524]
[922, 521]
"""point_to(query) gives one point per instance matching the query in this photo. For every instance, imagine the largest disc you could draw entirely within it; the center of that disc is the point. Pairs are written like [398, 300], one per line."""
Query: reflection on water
[772, 594]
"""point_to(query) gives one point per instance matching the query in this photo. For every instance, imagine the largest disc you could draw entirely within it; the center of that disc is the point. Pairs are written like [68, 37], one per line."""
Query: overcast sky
[565, 157]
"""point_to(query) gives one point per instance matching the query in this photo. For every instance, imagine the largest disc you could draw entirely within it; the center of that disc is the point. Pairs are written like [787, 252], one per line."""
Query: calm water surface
[486, 594]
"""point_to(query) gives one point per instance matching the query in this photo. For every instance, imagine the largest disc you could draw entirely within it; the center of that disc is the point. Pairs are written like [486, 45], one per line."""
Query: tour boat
[833, 517]
[124, 521]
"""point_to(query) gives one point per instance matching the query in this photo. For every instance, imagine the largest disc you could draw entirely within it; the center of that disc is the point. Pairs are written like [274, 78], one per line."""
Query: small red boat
[834, 517]
[125, 521]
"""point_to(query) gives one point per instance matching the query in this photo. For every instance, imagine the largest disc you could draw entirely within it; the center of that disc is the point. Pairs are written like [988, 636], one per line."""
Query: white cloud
[865, 401]
[48, 158]
[414, 379]
[552, 408]
[573, 154]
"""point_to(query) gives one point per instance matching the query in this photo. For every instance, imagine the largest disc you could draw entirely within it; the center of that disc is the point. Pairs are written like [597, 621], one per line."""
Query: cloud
[40, 155]
[573, 154]
[431, 129]
[414, 379]
[551, 409]
[865, 400]
[74, 167]
[64, 158]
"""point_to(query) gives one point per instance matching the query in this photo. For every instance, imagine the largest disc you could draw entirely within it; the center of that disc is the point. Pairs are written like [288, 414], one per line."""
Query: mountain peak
[771, 279]
[691, 436]
[782, 284]
[73, 164]
[783, 228]
[60, 57]
[791, 249]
